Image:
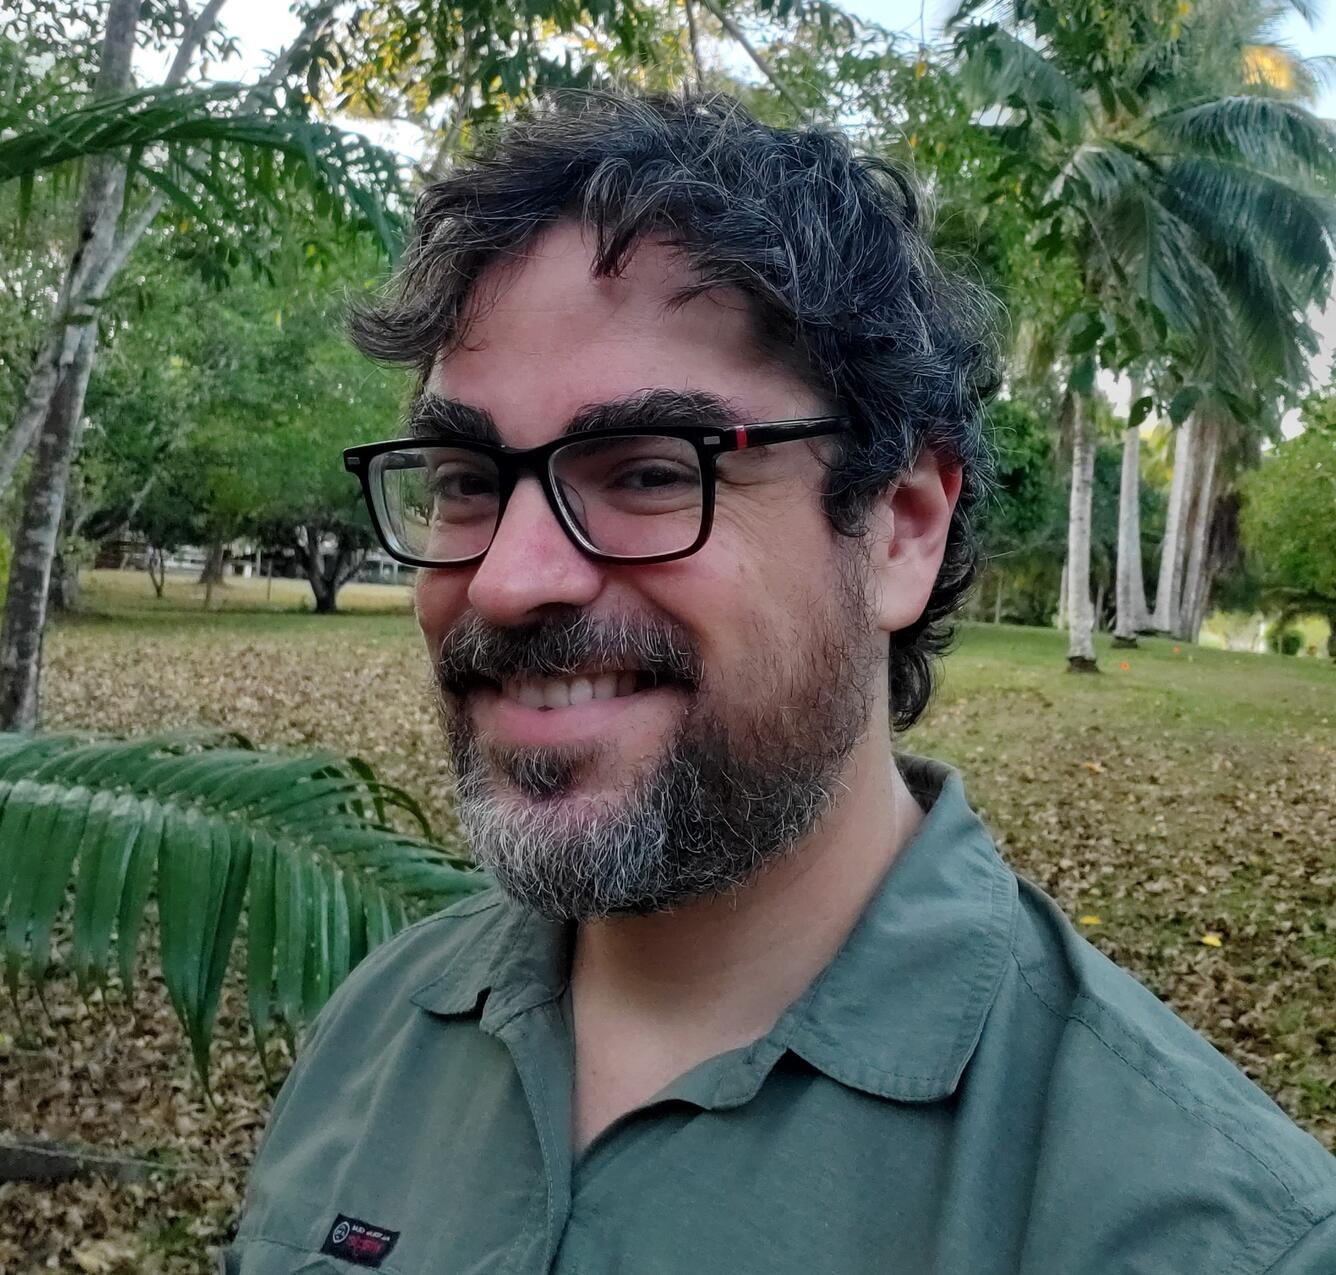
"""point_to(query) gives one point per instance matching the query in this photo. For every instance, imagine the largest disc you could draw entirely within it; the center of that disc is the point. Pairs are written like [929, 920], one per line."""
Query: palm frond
[1000, 69]
[1273, 324]
[1103, 172]
[1272, 134]
[1242, 209]
[167, 123]
[304, 847]
[1162, 259]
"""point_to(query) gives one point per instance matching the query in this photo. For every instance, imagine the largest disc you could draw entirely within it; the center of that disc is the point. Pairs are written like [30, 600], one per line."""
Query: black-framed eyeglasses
[621, 495]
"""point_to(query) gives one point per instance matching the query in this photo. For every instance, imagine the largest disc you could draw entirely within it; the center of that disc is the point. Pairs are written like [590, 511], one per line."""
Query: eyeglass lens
[635, 496]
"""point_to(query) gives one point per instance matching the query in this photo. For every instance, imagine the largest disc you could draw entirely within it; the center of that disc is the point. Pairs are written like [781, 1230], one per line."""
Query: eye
[653, 475]
[462, 482]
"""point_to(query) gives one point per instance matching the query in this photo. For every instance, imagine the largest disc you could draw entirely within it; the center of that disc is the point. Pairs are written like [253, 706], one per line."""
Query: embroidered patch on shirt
[358, 1241]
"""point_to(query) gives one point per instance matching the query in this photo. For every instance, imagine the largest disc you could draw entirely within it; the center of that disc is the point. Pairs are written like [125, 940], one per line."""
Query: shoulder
[1161, 1115]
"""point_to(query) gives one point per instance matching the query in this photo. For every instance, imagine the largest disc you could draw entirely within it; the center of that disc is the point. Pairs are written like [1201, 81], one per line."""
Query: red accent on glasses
[742, 437]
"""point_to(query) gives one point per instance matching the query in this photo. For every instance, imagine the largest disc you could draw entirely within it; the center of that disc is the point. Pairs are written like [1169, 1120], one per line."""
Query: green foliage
[1026, 498]
[183, 132]
[1286, 641]
[218, 415]
[1289, 514]
[307, 849]
[1194, 205]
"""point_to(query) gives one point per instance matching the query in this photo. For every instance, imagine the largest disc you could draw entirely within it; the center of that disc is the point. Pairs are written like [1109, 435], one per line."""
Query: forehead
[544, 338]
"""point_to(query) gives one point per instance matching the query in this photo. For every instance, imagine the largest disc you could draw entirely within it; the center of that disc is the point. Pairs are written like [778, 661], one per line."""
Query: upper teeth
[560, 692]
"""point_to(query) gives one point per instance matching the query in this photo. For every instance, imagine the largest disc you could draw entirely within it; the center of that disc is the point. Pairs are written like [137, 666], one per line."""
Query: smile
[567, 692]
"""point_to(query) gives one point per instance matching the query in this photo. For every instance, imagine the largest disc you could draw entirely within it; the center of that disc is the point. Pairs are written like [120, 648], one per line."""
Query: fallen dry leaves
[1157, 832]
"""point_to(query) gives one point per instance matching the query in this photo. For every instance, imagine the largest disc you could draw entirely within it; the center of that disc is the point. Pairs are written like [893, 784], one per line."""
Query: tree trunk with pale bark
[1129, 586]
[1167, 591]
[1196, 579]
[1080, 612]
[50, 416]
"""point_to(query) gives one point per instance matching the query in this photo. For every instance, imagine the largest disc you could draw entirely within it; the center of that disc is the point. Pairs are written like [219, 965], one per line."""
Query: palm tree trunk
[1165, 618]
[1129, 589]
[1196, 585]
[1060, 620]
[1081, 641]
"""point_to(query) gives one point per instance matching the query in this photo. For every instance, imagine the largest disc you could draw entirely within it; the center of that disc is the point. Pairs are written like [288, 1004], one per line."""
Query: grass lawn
[1180, 806]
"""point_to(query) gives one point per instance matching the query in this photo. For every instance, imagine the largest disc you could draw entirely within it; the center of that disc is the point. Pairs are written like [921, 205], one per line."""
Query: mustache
[565, 645]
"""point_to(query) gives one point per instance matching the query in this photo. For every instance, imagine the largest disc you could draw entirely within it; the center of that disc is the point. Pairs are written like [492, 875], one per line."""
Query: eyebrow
[433, 415]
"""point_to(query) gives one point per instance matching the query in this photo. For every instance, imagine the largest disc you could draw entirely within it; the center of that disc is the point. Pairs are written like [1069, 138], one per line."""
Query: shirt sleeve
[1313, 1254]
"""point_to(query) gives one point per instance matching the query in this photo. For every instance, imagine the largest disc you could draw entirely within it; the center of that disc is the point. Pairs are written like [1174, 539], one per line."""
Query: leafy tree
[222, 414]
[1288, 516]
[131, 170]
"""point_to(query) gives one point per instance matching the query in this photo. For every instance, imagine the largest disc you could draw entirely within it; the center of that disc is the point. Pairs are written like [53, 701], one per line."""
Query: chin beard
[728, 798]
[701, 822]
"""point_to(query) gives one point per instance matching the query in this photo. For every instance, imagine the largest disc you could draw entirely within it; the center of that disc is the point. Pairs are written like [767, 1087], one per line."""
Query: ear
[908, 528]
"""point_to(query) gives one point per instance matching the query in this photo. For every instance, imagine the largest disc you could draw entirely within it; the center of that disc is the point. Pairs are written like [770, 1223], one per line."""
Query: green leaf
[1082, 379]
[71, 809]
[139, 877]
[260, 928]
[1140, 410]
[1085, 337]
[1182, 403]
[30, 856]
[112, 829]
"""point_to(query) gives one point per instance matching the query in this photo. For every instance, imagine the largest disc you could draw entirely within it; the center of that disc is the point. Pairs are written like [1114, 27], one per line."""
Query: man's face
[762, 654]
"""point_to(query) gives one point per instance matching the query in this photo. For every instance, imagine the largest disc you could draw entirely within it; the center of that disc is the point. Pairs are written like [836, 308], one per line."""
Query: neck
[720, 971]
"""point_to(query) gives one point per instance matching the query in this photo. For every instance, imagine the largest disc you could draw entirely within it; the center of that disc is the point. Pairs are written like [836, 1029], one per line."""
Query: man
[690, 477]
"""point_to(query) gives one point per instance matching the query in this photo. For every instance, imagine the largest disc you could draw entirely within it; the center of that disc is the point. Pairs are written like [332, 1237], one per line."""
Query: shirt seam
[1274, 1267]
[1075, 1016]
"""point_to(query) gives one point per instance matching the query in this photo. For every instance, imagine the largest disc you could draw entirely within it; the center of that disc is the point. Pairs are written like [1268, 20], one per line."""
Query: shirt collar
[898, 1012]
[901, 1008]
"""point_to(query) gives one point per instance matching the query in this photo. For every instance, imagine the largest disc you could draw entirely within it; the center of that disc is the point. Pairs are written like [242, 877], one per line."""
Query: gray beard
[725, 802]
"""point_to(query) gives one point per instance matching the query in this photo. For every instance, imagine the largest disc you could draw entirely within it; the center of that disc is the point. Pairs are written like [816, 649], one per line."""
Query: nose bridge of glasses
[532, 492]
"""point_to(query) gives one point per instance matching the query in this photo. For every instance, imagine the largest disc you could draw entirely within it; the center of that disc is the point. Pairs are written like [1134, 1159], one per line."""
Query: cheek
[439, 599]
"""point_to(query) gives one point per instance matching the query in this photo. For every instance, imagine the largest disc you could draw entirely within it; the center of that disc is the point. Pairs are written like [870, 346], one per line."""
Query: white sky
[263, 27]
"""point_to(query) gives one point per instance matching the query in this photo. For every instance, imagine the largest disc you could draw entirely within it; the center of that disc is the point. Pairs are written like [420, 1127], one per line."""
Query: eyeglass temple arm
[744, 436]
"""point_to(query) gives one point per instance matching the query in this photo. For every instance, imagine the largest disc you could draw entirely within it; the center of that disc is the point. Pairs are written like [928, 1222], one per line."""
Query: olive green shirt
[969, 1087]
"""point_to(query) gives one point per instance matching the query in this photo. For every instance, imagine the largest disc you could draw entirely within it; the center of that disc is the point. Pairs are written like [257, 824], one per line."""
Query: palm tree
[1199, 227]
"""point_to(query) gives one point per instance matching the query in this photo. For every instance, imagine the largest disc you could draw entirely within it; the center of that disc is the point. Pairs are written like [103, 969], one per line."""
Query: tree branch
[192, 39]
[751, 51]
[693, 38]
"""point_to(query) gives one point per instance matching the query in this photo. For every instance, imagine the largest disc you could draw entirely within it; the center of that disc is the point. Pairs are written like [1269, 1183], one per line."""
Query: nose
[531, 563]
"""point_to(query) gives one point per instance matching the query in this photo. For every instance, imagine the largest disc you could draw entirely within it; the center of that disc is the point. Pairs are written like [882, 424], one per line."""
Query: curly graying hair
[828, 245]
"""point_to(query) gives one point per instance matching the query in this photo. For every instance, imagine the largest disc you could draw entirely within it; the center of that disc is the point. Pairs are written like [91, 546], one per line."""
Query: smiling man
[690, 478]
